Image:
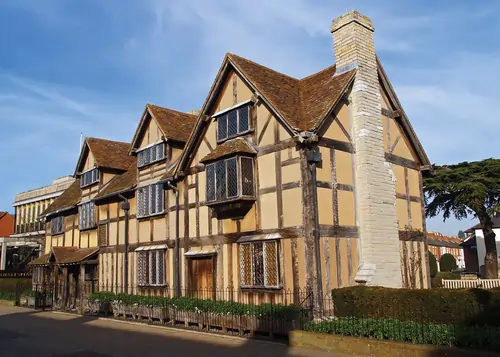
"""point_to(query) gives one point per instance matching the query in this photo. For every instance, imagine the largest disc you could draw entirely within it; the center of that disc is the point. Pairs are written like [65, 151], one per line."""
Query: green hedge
[477, 337]
[447, 262]
[219, 307]
[433, 264]
[443, 306]
[437, 281]
[5, 295]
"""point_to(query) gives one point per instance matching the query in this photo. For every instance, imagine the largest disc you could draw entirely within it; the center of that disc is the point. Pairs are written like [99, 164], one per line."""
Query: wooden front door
[202, 277]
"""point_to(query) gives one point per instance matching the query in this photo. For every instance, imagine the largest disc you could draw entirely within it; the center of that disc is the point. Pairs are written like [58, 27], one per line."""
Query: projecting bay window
[233, 123]
[151, 154]
[89, 177]
[56, 225]
[151, 268]
[150, 200]
[86, 215]
[259, 265]
[230, 179]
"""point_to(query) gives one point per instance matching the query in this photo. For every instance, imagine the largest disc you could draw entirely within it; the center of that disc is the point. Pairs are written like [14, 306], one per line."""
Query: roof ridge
[321, 71]
[261, 65]
[172, 110]
[111, 141]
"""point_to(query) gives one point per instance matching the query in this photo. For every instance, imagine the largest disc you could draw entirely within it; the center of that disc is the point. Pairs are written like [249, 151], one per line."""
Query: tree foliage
[447, 262]
[433, 264]
[461, 234]
[467, 189]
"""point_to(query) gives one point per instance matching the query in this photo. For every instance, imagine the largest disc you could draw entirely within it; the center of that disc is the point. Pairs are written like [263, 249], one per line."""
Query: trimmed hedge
[442, 306]
[433, 264]
[477, 337]
[219, 307]
[447, 262]
[437, 281]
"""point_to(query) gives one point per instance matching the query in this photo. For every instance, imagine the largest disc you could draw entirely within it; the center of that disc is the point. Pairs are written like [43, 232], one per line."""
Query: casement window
[87, 215]
[230, 178]
[56, 225]
[151, 268]
[150, 200]
[151, 154]
[233, 123]
[259, 264]
[38, 275]
[89, 177]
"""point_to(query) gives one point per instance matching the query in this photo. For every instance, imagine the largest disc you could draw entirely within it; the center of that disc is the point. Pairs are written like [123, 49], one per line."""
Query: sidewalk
[29, 333]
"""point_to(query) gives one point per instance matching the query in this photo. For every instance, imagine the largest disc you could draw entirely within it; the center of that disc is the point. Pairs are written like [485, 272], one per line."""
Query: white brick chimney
[375, 189]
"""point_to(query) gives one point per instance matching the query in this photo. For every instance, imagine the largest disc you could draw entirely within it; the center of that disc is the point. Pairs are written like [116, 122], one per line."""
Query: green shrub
[447, 263]
[442, 306]
[433, 264]
[103, 296]
[192, 304]
[437, 281]
[479, 337]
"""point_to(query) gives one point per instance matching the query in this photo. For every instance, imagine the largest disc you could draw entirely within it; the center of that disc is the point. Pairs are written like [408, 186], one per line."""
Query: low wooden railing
[471, 284]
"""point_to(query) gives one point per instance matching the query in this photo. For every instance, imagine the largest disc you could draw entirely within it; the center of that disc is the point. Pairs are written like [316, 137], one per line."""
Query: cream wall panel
[347, 215]
[292, 207]
[269, 212]
[291, 173]
[204, 211]
[325, 207]
[344, 168]
[267, 170]
[144, 229]
[324, 172]
[402, 211]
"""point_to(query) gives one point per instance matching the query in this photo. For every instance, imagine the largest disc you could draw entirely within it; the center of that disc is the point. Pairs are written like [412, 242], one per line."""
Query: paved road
[28, 333]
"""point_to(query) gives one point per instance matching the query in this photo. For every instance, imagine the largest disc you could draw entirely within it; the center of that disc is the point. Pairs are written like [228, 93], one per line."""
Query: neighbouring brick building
[440, 244]
[276, 184]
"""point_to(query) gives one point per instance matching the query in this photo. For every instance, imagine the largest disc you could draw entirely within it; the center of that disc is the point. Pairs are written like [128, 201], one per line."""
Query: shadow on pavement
[30, 333]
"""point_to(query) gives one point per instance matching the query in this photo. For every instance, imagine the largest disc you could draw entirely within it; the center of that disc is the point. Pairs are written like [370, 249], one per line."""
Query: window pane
[220, 179]
[243, 119]
[147, 157]
[161, 267]
[232, 178]
[258, 264]
[159, 198]
[140, 158]
[153, 153]
[152, 267]
[151, 199]
[232, 123]
[271, 265]
[160, 151]
[141, 268]
[210, 182]
[247, 184]
[246, 264]
[222, 127]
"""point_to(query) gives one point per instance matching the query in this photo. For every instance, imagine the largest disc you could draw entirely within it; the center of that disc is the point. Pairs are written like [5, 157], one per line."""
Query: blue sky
[71, 67]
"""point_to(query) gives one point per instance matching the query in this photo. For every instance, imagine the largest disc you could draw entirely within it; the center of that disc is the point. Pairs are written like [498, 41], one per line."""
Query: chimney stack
[376, 214]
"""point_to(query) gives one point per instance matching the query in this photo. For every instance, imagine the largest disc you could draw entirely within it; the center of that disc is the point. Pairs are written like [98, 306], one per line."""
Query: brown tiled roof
[69, 198]
[175, 125]
[62, 253]
[120, 183]
[78, 255]
[110, 154]
[304, 103]
[41, 260]
[234, 146]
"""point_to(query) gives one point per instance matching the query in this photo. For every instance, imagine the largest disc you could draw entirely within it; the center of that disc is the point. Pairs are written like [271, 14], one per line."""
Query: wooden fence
[471, 284]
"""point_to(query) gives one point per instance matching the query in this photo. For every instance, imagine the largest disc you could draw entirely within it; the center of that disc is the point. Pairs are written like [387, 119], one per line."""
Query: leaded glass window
[233, 123]
[87, 215]
[259, 264]
[151, 268]
[151, 154]
[89, 177]
[150, 200]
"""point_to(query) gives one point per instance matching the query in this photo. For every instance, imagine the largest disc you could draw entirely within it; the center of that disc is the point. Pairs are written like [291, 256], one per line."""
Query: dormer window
[151, 154]
[233, 122]
[89, 177]
[230, 179]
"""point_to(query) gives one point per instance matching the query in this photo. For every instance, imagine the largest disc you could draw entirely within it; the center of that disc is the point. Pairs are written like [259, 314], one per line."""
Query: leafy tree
[447, 262]
[467, 189]
[433, 266]
[461, 234]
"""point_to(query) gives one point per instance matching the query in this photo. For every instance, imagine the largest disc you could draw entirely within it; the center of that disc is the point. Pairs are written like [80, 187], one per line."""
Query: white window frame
[265, 258]
[93, 173]
[225, 117]
[86, 215]
[150, 200]
[239, 178]
[158, 151]
[56, 225]
[154, 256]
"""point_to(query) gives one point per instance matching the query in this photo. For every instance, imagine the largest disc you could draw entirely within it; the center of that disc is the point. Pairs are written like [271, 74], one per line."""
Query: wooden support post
[81, 287]
[65, 288]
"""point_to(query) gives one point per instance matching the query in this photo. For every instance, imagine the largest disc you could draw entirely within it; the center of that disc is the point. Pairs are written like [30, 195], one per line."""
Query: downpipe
[177, 276]
[126, 209]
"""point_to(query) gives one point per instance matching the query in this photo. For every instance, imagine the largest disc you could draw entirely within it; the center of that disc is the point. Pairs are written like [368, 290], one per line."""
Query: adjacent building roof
[120, 183]
[439, 240]
[495, 220]
[175, 125]
[230, 147]
[67, 200]
[303, 103]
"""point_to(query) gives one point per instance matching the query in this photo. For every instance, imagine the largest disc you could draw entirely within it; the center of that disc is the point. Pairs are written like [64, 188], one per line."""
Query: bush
[437, 281]
[433, 264]
[479, 337]
[279, 311]
[102, 296]
[447, 262]
[442, 306]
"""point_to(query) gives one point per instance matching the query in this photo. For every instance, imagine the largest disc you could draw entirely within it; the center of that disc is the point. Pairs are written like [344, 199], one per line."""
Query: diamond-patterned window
[230, 178]
[87, 215]
[150, 200]
[259, 265]
[233, 123]
[151, 154]
[151, 268]
[56, 225]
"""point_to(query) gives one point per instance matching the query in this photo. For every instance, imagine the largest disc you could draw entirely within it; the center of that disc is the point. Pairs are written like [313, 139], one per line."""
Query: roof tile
[175, 125]
[66, 200]
[120, 183]
[230, 147]
[110, 154]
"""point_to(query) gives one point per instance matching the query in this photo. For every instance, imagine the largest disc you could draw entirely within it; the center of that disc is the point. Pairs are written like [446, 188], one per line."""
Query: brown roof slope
[110, 154]
[175, 125]
[41, 260]
[235, 146]
[302, 103]
[78, 255]
[62, 253]
[120, 183]
[68, 199]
